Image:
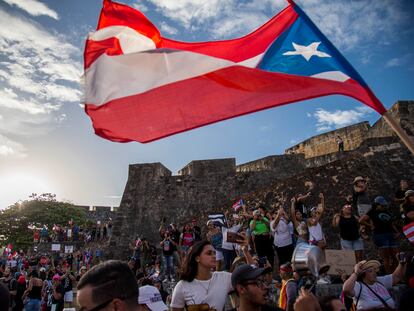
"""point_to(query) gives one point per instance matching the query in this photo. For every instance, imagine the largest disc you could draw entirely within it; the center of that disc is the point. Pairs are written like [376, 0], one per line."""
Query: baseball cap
[247, 272]
[358, 178]
[150, 296]
[381, 201]
[409, 193]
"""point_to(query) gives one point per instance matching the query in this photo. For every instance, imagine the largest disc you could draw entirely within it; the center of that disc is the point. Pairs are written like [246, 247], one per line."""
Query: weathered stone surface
[152, 192]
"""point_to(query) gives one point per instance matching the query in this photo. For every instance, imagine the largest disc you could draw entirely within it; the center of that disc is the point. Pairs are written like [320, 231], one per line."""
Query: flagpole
[407, 140]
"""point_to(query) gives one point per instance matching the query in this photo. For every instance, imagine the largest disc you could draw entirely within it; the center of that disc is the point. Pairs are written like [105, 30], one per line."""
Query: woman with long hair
[348, 224]
[34, 292]
[199, 285]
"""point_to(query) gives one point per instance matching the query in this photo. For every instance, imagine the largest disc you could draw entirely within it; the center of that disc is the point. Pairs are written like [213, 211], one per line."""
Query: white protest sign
[68, 249]
[55, 247]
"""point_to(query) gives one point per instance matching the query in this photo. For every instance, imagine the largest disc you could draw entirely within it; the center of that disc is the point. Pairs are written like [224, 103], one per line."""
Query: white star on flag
[307, 51]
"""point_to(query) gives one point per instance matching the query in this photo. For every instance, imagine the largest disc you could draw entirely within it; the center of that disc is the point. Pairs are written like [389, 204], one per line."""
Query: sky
[47, 143]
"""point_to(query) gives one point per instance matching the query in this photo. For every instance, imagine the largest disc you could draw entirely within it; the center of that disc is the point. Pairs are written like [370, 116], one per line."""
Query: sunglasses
[104, 304]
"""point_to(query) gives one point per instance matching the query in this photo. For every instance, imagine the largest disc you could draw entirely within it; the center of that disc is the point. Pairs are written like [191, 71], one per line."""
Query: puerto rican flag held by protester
[237, 205]
[141, 86]
[409, 232]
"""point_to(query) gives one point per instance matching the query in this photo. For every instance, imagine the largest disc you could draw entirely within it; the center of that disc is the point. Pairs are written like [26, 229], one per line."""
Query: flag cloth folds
[141, 86]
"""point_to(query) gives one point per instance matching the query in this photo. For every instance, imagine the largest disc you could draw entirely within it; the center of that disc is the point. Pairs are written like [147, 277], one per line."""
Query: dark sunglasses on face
[104, 304]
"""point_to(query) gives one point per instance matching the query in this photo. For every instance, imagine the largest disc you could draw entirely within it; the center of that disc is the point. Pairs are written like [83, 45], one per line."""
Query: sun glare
[18, 186]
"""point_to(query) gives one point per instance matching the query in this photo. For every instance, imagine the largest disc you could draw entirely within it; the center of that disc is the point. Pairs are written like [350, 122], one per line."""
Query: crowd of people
[72, 232]
[241, 261]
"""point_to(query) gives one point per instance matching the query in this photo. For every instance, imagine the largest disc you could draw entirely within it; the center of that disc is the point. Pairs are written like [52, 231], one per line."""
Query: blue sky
[47, 142]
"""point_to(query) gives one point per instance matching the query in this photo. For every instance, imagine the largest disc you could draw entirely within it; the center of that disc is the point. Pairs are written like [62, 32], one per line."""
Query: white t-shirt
[212, 292]
[368, 299]
[228, 245]
[315, 233]
[282, 235]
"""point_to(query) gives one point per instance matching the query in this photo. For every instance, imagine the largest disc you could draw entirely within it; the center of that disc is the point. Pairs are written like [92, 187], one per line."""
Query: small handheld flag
[237, 205]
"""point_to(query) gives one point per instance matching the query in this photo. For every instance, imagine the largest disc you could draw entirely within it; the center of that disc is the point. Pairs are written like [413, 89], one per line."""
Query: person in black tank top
[34, 292]
[348, 224]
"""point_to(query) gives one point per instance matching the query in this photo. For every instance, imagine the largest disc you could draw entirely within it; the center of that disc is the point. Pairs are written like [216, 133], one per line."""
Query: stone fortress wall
[152, 192]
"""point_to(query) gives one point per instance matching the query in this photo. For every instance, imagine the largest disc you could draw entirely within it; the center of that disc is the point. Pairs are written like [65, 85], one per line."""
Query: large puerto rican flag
[141, 86]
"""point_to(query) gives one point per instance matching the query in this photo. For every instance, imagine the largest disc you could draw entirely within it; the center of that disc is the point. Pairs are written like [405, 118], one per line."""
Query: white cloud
[165, 28]
[39, 73]
[9, 148]
[140, 6]
[34, 7]
[348, 24]
[400, 61]
[327, 120]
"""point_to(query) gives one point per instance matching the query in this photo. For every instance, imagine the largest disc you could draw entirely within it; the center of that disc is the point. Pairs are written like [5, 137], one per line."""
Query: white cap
[151, 297]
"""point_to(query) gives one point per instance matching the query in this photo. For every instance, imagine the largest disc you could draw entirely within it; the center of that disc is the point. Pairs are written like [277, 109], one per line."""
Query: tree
[37, 211]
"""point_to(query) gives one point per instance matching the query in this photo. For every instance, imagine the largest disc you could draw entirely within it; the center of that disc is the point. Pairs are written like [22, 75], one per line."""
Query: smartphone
[233, 237]
[402, 257]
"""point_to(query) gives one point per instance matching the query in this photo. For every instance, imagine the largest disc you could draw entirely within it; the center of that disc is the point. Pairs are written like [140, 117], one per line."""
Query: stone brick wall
[325, 143]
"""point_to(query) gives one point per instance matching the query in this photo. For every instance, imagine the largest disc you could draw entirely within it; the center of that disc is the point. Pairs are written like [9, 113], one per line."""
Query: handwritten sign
[68, 249]
[55, 247]
[340, 260]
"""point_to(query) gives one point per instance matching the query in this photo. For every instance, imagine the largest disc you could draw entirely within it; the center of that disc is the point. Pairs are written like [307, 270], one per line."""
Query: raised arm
[293, 212]
[335, 220]
[349, 284]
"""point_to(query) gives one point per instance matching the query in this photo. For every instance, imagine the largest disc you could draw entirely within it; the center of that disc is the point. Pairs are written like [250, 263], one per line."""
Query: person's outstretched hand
[306, 302]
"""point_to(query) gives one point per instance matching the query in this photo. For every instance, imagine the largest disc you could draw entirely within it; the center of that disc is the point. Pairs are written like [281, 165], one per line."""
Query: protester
[67, 281]
[360, 201]
[370, 291]
[215, 237]
[380, 220]
[4, 297]
[340, 143]
[348, 224]
[260, 227]
[252, 288]
[20, 289]
[167, 246]
[58, 294]
[110, 285]
[229, 248]
[8, 281]
[187, 239]
[300, 226]
[288, 292]
[282, 238]
[33, 292]
[196, 230]
[331, 303]
[198, 284]
[408, 207]
[316, 236]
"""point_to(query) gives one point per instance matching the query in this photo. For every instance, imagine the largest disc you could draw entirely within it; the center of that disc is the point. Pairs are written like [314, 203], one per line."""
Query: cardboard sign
[340, 260]
[68, 249]
[55, 247]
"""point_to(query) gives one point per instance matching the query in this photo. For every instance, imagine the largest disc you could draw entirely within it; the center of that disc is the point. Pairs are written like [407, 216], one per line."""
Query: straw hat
[374, 264]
